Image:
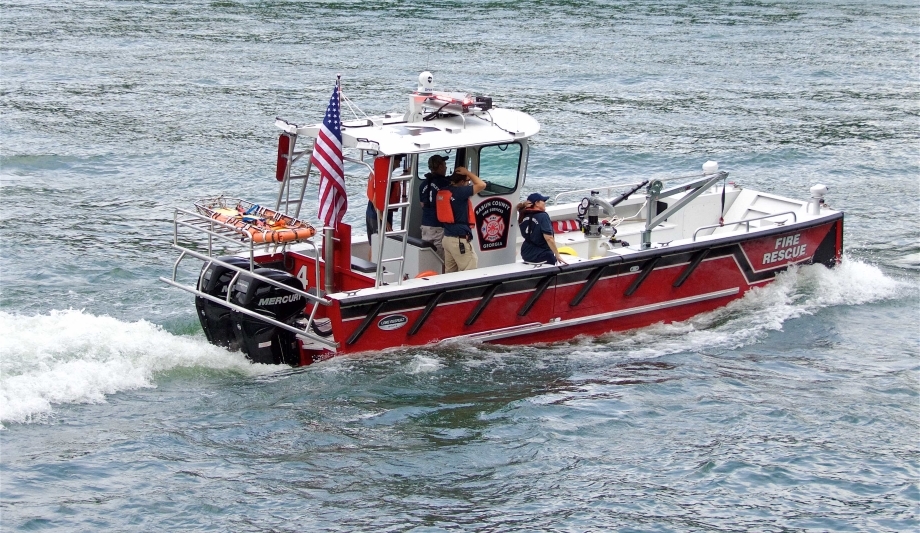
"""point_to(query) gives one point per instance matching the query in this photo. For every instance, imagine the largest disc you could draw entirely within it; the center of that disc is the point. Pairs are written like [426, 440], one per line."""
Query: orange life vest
[371, 192]
[445, 209]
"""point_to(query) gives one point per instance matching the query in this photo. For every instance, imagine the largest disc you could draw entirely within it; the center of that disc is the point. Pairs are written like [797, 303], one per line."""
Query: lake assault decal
[392, 322]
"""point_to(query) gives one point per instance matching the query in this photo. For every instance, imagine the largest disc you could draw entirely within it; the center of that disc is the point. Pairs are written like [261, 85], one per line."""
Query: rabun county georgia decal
[493, 218]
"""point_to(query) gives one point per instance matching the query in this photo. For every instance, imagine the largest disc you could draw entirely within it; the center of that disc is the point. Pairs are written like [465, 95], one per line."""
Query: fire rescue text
[786, 248]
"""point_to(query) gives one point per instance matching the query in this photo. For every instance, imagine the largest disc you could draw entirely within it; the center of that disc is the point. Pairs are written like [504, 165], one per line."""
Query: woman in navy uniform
[536, 227]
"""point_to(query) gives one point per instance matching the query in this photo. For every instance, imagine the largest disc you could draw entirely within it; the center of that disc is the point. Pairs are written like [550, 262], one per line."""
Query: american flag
[327, 156]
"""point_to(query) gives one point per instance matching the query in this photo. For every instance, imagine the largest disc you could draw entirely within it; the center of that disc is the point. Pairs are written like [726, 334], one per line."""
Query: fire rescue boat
[643, 251]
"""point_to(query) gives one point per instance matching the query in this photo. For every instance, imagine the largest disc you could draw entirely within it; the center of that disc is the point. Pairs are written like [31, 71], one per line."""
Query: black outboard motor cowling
[261, 341]
[215, 318]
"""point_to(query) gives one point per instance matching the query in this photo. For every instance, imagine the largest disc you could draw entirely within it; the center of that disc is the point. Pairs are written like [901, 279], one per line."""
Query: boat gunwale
[350, 298]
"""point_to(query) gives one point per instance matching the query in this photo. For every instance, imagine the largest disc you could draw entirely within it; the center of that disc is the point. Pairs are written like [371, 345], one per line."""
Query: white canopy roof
[389, 135]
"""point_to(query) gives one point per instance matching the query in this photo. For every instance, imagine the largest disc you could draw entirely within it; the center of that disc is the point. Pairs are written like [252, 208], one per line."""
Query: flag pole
[329, 160]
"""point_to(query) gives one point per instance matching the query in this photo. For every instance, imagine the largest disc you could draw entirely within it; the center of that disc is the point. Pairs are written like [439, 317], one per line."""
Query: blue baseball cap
[435, 161]
[537, 197]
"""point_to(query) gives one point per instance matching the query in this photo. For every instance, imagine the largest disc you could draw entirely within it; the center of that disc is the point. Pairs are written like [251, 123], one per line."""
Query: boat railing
[608, 189]
[747, 222]
[184, 219]
[225, 302]
[216, 229]
[232, 237]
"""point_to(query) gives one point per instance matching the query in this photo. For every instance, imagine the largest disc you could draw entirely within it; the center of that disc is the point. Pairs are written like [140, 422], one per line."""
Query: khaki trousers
[434, 236]
[454, 261]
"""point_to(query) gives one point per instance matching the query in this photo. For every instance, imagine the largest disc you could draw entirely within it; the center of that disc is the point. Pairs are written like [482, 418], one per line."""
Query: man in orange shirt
[370, 215]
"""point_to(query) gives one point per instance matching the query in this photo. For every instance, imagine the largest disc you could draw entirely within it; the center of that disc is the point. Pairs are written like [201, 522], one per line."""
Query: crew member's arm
[551, 241]
[478, 184]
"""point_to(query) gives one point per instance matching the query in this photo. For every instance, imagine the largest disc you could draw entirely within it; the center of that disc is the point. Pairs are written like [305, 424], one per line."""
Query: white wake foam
[797, 292]
[75, 357]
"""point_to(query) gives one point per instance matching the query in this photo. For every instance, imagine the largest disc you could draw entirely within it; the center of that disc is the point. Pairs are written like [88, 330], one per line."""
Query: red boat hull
[586, 298]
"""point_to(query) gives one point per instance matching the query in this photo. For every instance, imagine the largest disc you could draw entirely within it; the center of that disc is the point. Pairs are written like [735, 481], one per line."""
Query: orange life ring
[426, 274]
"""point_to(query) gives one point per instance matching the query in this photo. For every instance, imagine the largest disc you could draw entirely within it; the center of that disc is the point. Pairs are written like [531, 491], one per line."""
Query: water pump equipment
[817, 199]
[595, 229]
[590, 210]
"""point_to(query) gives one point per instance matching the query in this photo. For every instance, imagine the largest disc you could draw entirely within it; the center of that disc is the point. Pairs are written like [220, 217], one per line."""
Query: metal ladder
[402, 233]
[284, 201]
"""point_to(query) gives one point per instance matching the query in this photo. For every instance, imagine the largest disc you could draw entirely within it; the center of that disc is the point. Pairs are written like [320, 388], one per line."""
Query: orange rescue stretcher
[260, 224]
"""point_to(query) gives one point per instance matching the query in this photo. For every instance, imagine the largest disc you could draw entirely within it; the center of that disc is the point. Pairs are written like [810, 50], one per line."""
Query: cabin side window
[453, 157]
[499, 166]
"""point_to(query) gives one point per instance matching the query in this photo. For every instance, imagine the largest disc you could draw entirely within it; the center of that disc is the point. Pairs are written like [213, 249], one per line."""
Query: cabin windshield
[499, 166]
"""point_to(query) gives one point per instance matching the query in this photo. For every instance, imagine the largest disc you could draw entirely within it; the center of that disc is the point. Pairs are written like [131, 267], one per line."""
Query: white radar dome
[425, 82]
[710, 167]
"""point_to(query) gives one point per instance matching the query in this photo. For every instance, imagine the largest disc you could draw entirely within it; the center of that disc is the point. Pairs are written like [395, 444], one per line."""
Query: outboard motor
[261, 341]
[215, 318]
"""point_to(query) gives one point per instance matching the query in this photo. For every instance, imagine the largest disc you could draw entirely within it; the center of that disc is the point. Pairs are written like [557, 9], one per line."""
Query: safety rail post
[329, 258]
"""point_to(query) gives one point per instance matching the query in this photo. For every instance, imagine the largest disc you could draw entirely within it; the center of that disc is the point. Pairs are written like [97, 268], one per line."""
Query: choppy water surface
[796, 408]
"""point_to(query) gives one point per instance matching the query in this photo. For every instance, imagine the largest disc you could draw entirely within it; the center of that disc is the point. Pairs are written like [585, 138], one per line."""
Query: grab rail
[747, 222]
